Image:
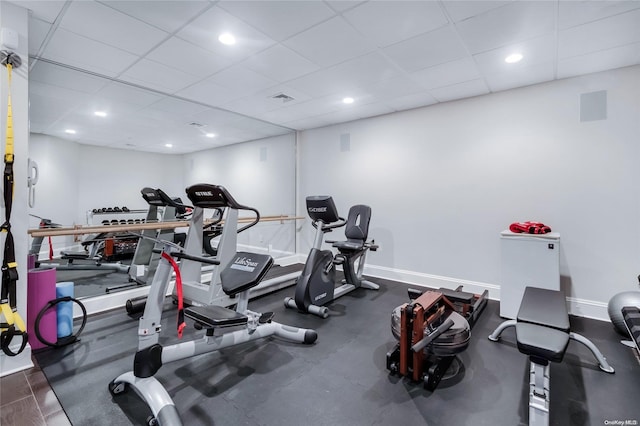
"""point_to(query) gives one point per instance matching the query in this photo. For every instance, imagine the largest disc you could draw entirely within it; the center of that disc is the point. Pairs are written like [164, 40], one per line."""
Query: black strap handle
[67, 340]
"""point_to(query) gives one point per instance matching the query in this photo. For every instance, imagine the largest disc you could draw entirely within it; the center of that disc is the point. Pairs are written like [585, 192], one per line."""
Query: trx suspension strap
[13, 325]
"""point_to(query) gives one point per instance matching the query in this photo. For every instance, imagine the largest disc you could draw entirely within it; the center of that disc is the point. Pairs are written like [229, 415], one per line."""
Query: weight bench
[631, 317]
[543, 333]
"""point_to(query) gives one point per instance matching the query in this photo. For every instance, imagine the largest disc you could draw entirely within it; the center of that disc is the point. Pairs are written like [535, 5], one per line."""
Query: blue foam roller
[64, 309]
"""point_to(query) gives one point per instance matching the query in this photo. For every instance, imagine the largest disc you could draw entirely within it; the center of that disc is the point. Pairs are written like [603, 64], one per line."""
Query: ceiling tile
[459, 91]
[342, 116]
[366, 69]
[506, 25]
[184, 56]
[603, 34]
[520, 76]
[209, 93]
[342, 5]
[308, 123]
[205, 29]
[387, 22]
[157, 76]
[46, 10]
[252, 105]
[71, 49]
[263, 101]
[70, 96]
[329, 43]
[392, 88]
[354, 112]
[346, 76]
[599, 61]
[115, 109]
[101, 23]
[58, 76]
[280, 64]
[572, 13]
[166, 15]
[310, 108]
[38, 31]
[47, 106]
[242, 80]
[128, 94]
[534, 51]
[461, 10]
[436, 47]
[215, 118]
[415, 100]
[319, 83]
[279, 19]
[442, 75]
[373, 110]
[177, 107]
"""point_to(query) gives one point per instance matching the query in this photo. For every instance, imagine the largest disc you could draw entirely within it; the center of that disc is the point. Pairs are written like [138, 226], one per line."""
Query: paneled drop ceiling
[159, 71]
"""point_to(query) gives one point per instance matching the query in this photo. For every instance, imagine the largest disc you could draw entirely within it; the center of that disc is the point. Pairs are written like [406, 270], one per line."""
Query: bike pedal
[266, 317]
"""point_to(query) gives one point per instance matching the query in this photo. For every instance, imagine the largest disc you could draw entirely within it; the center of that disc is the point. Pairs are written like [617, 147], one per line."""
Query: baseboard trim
[578, 307]
[14, 364]
[588, 309]
[432, 281]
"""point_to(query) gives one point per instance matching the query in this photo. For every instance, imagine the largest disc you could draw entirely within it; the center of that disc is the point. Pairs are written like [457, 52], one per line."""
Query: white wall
[56, 193]
[77, 178]
[259, 174]
[113, 177]
[444, 180]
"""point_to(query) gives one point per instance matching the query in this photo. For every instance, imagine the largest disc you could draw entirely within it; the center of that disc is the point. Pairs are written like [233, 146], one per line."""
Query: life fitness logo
[317, 209]
[244, 263]
[204, 193]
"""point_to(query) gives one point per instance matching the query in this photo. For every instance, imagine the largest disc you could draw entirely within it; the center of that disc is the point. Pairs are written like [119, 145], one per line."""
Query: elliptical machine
[316, 285]
[223, 327]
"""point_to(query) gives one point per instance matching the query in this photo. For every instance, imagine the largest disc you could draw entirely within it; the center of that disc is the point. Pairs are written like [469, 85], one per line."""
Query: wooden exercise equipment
[432, 329]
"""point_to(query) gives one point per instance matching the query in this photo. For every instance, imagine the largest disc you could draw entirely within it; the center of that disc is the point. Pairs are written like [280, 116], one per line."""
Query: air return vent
[282, 97]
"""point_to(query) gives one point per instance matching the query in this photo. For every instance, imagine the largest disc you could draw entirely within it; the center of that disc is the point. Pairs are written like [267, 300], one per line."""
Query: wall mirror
[98, 141]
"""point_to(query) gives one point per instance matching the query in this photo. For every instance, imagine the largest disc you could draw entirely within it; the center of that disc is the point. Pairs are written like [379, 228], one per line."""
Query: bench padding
[541, 343]
[542, 330]
[631, 316]
[544, 307]
[212, 316]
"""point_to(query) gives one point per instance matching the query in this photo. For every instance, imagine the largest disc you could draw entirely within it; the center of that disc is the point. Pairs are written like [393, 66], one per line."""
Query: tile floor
[26, 399]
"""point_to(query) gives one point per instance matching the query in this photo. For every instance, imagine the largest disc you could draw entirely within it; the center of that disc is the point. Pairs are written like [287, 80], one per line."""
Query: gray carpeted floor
[342, 379]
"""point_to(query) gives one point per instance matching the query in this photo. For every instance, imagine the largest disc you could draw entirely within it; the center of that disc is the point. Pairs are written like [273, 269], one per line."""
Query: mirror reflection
[96, 143]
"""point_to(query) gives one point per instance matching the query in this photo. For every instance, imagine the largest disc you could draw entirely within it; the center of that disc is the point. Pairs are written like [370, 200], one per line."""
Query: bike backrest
[357, 227]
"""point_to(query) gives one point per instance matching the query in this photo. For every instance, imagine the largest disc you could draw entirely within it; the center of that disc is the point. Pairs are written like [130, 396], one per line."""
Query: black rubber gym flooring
[342, 378]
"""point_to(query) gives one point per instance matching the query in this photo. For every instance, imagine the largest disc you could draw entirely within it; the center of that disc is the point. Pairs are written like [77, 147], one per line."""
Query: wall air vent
[282, 97]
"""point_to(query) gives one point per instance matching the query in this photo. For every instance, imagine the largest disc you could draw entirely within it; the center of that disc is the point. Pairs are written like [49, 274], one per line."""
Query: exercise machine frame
[427, 310]
[316, 286]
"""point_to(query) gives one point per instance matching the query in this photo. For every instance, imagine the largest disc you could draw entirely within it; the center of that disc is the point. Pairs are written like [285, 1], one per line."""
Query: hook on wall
[7, 57]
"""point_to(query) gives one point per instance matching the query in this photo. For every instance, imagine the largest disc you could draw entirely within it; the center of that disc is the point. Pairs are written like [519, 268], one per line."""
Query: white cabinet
[527, 260]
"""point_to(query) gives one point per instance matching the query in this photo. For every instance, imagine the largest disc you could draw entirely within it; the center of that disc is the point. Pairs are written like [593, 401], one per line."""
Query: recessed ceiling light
[168, 145]
[513, 58]
[210, 135]
[100, 113]
[227, 38]
[348, 100]
[70, 131]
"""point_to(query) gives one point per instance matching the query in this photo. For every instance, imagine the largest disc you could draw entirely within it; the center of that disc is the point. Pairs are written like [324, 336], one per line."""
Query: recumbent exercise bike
[316, 285]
